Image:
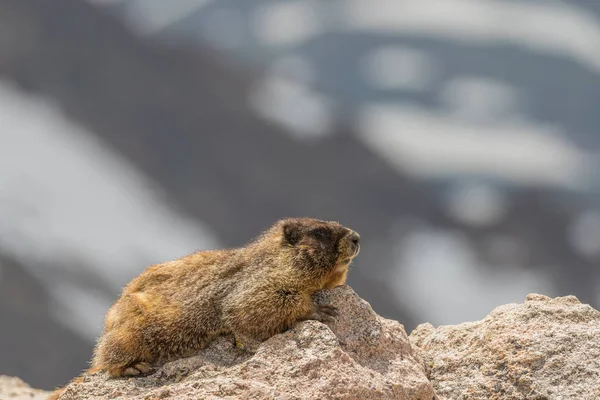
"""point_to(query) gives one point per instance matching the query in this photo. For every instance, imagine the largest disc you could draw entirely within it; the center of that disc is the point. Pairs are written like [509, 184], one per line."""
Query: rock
[15, 389]
[541, 349]
[357, 356]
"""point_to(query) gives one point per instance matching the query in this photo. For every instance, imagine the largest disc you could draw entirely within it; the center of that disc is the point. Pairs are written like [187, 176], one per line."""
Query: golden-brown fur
[172, 310]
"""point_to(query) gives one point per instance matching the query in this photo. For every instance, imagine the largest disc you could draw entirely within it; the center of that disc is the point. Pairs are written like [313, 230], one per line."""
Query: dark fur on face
[319, 246]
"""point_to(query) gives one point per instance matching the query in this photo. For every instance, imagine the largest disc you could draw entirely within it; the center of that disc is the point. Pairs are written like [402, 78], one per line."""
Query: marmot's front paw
[328, 309]
[325, 312]
[142, 368]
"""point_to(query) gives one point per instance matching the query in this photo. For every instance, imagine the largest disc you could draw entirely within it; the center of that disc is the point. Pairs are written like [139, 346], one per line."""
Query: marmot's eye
[321, 234]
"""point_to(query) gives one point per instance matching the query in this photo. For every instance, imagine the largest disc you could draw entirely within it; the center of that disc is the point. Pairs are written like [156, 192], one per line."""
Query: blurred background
[461, 139]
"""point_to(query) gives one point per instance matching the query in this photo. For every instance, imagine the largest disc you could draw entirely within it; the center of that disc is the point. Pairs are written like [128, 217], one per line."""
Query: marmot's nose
[355, 238]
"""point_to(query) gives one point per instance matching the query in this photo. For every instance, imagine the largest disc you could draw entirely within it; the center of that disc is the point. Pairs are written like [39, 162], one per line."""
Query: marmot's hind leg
[121, 352]
[111, 358]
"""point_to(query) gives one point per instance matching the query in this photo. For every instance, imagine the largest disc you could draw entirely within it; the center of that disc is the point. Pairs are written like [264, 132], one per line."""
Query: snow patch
[300, 110]
[399, 67]
[476, 204]
[555, 28]
[433, 145]
[286, 23]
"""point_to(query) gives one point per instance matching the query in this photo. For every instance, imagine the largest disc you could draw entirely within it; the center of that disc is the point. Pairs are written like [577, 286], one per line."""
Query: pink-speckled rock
[541, 349]
[15, 389]
[358, 356]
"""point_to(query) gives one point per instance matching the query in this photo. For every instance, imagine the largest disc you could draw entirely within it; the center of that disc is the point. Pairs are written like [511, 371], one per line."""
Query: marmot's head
[318, 247]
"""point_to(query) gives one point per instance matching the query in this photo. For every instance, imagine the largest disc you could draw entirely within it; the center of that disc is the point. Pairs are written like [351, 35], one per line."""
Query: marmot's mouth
[354, 251]
[348, 260]
[342, 265]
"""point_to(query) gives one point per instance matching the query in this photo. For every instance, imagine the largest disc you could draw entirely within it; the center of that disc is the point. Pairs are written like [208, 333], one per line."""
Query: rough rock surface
[358, 356]
[541, 349]
[15, 389]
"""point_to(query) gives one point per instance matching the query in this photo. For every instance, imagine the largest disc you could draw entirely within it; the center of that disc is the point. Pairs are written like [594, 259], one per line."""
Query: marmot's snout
[349, 245]
[354, 239]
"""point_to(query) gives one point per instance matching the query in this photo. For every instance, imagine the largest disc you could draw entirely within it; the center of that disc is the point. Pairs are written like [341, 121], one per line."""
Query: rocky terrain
[541, 349]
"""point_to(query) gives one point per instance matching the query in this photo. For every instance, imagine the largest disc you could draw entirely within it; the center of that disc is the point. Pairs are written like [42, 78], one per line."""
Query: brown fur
[174, 309]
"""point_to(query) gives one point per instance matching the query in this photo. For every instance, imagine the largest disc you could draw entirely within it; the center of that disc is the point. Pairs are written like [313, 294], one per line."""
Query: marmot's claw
[328, 310]
[142, 368]
[315, 317]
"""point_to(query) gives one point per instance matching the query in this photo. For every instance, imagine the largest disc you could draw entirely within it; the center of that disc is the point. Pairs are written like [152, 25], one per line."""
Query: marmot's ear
[291, 233]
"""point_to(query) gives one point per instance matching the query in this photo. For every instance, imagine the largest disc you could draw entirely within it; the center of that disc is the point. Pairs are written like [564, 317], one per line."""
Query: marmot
[174, 309]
